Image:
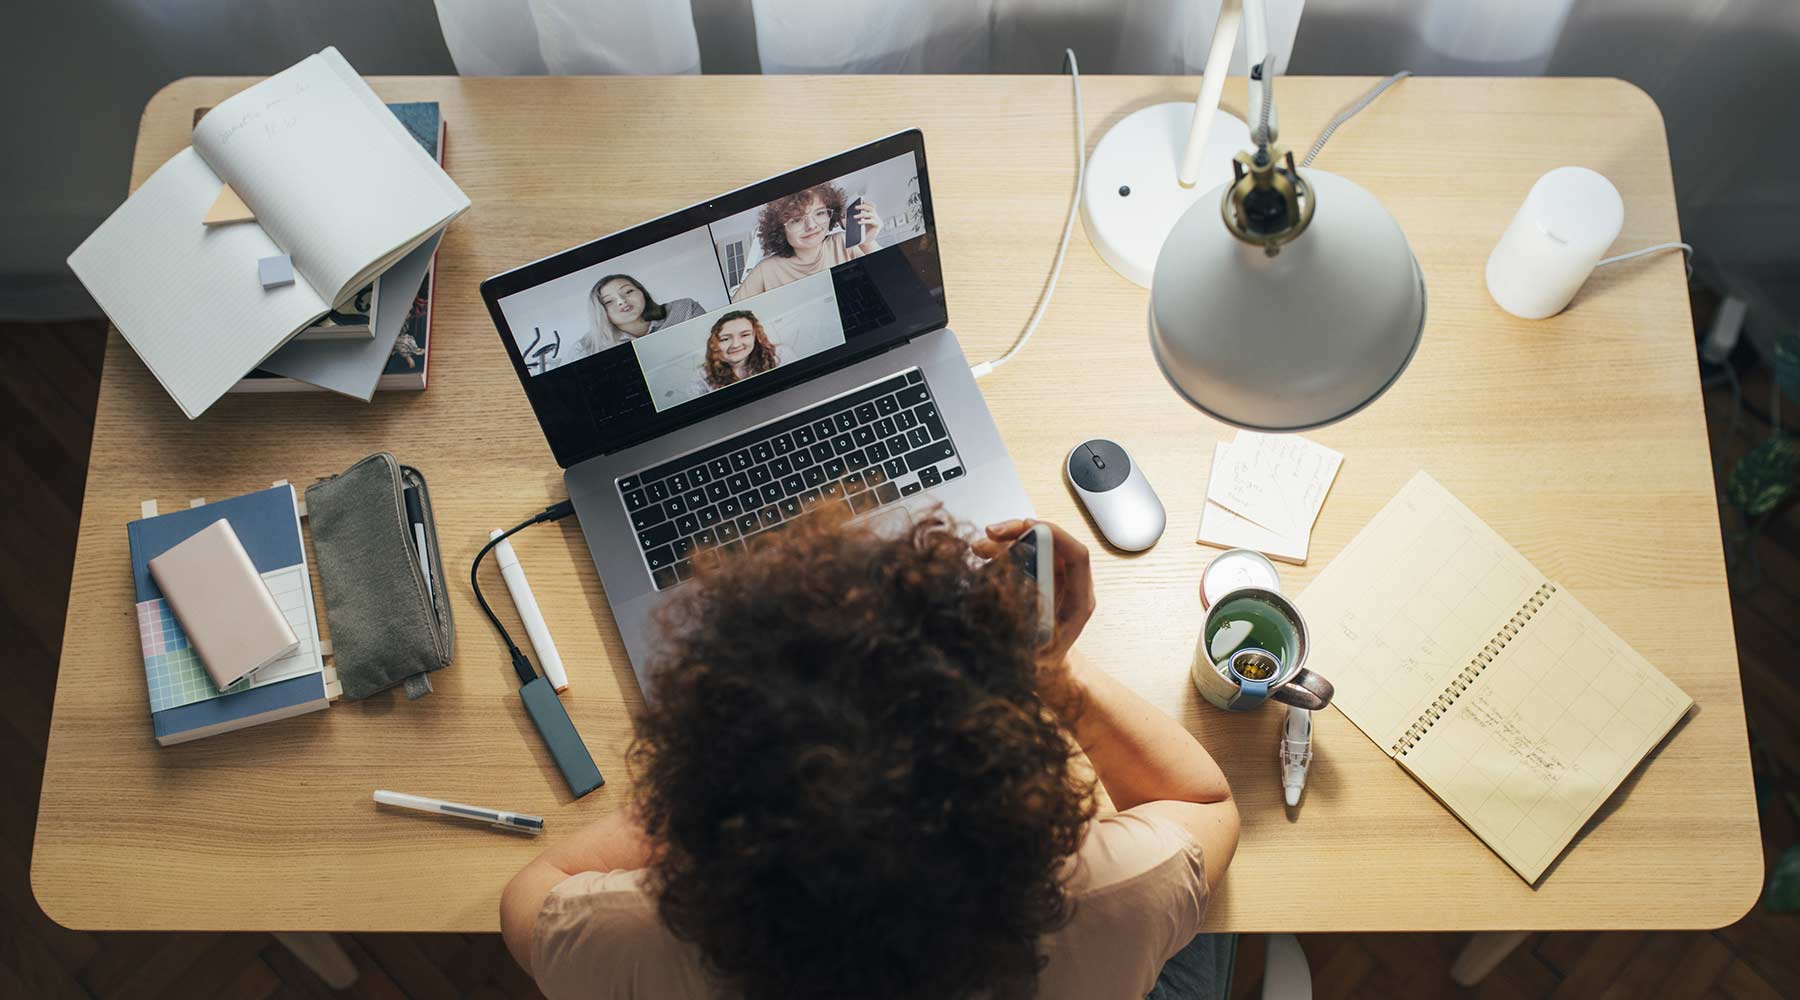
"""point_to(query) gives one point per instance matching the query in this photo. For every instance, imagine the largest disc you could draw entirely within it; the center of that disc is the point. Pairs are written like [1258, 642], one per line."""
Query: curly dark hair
[851, 776]
[771, 225]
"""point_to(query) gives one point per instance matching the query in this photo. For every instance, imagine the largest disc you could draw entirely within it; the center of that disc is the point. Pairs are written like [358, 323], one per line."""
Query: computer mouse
[1117, 496]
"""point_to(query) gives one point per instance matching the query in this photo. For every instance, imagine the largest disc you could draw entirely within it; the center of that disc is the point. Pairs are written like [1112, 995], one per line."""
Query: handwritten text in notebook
[1492, 686]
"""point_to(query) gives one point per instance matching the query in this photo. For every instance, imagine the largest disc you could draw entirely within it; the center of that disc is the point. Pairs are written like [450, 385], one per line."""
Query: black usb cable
[521, 666]
[541, 703]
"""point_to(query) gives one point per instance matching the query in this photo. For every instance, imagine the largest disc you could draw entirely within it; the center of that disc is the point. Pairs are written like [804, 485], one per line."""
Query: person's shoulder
[755, 280]
[621, 890]
[683, 309]
[1138, 894]
[1134, 844]
[598, 931]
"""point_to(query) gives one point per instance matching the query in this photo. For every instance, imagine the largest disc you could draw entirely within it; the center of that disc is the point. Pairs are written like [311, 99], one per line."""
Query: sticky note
[227, 209]
[275, 271]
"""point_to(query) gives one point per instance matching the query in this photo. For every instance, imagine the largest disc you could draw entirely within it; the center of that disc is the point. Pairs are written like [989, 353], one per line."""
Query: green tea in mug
[1248, 623]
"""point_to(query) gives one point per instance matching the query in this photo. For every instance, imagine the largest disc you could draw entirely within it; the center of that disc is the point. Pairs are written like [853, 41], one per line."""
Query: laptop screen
[661, 325]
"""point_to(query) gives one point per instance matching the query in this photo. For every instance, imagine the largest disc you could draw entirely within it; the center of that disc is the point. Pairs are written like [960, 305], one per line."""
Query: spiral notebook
[1492, 685]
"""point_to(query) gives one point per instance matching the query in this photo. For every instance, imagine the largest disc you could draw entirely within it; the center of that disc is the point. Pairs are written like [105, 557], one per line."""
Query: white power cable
[1068, 227]
[1686, 250]
[1349, 111]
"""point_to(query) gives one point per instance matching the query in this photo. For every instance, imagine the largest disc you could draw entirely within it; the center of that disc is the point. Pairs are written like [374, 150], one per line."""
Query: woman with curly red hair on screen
[737, 349]
[803, 234]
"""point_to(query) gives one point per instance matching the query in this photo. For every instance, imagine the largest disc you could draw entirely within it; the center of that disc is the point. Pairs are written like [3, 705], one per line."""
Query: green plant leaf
[1763, 477]
[1782, 894]
[1787, 364]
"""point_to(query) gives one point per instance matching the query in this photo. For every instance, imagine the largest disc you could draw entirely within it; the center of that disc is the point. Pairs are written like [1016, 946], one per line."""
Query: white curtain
[981, 36]
[569, 37]
[510, 37]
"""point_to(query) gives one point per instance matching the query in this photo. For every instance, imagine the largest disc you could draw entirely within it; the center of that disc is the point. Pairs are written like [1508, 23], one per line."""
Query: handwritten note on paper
[1277, 480]
[1227, 530]
[1528, 750]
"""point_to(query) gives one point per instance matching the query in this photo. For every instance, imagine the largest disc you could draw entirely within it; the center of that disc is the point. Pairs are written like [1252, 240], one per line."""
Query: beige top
[773, 272]
[1138, 886]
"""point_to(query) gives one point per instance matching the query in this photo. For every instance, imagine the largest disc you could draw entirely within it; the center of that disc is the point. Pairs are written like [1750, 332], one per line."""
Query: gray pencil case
[388, 624]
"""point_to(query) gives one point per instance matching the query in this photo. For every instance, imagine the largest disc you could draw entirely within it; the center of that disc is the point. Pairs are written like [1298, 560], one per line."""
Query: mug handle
[1305, 689]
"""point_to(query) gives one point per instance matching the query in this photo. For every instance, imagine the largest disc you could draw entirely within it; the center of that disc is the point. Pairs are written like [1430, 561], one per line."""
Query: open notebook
[336, 182]
[1488, 683]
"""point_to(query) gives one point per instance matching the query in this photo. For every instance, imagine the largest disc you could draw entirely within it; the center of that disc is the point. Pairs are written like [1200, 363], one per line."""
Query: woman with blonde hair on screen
[623, 311]
[737, 349]
[803, 234]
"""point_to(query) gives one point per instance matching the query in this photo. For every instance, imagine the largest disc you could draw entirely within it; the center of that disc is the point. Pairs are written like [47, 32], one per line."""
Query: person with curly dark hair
[802, 234]
[856, 777]
[737, 349]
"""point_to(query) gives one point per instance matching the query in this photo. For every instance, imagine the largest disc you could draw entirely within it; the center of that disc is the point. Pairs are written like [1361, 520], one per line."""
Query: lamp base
[1131, 196]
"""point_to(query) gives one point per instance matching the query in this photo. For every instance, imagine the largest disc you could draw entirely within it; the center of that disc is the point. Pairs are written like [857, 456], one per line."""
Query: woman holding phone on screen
[623, 311]
[737, 349]
[803, 234]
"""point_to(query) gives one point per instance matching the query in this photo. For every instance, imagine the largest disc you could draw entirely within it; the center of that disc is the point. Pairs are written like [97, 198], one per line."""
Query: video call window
[726, 302]
[746, 339]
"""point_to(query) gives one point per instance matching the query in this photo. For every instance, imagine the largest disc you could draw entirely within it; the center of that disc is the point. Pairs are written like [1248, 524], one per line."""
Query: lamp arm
[1212, 84]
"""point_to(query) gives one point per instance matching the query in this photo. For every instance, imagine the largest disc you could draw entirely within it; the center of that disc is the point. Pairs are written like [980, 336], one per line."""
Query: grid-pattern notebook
[1490, 684]
[184, 704]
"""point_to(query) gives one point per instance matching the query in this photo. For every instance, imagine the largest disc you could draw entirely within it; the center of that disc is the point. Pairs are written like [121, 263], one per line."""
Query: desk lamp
[1279, 299]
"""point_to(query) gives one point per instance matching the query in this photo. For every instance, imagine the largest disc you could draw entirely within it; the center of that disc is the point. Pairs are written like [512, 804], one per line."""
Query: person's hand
[1074, 581]
[870, 220]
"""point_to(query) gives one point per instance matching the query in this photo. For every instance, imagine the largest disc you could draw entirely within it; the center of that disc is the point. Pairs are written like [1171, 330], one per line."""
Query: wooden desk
[1580, 439]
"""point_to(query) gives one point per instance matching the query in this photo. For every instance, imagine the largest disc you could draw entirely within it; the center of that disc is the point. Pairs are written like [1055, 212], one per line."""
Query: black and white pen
[522, 822]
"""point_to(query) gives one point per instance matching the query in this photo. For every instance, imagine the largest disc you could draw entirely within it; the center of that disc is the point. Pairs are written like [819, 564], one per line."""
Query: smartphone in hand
[852, 228]
[1033, 555]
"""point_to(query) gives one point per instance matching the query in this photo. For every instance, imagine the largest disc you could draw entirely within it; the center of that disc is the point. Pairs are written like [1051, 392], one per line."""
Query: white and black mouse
[1113, 489]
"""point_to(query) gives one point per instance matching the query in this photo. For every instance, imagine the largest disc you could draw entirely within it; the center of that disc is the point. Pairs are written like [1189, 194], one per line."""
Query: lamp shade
[1300, 339]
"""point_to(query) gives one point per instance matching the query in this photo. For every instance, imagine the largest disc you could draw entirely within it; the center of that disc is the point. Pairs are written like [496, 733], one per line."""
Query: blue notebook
[184, 704]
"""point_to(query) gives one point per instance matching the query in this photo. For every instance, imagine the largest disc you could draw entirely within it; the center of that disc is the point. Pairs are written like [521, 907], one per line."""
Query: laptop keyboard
[859, 452]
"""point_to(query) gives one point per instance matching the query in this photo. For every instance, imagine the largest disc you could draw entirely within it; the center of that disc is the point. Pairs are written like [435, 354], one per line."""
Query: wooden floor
[49, 377]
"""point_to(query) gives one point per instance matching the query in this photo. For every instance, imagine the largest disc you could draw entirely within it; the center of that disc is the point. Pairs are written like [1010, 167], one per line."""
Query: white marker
[495, 817]
[1296, 752]
[514, 575]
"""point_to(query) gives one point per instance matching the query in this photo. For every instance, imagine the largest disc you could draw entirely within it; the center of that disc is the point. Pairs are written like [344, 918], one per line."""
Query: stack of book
[397, 352]
[291, 247]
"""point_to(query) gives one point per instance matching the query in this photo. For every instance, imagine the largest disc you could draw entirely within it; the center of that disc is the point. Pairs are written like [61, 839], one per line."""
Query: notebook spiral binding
[1479, 662]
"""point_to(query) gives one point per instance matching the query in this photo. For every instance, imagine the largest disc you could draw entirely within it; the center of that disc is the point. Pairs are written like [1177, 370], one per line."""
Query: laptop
[747, 361]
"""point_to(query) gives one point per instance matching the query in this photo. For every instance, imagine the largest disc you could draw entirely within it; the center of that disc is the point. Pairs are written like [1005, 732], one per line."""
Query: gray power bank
[552, 721]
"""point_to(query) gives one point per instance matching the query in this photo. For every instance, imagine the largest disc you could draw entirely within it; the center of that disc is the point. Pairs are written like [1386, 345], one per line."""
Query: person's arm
[1150, 764]
[1146, 761]
[611, 843]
